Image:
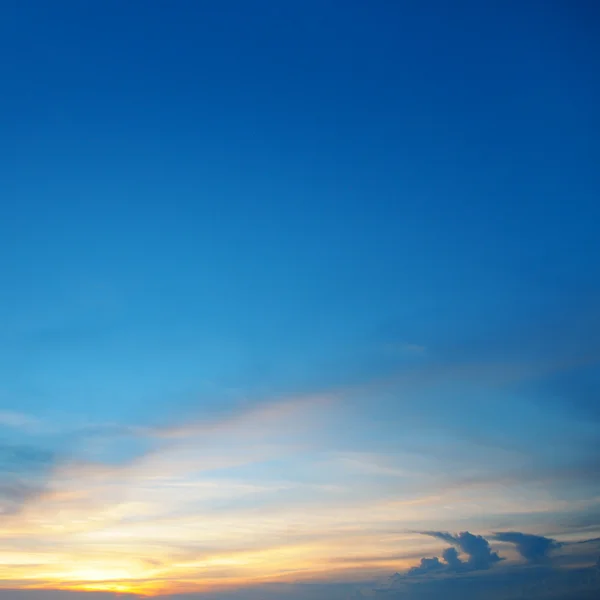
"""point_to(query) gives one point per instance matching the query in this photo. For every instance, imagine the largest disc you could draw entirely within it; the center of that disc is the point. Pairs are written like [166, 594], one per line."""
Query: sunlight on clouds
[184, 511]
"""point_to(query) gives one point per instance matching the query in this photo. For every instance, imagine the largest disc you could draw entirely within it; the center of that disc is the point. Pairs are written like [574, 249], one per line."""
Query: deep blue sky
[207, 204]
[240, 191]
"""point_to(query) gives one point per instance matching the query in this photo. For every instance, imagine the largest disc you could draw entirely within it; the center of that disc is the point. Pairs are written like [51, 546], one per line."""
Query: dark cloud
[514, 582]
[476, 547]
[533, 548]
[427, 565]
[595, 540]
[278, 591]
[450, 556]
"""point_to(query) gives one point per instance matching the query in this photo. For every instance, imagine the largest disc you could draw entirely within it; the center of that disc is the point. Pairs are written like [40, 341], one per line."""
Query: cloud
[20, 421]
[510, 583]
[450, 555]
[23, 472]
[533, 548]
[210, 483]
[33, 594]
[476, 547]
[247, 419]
[427, 565]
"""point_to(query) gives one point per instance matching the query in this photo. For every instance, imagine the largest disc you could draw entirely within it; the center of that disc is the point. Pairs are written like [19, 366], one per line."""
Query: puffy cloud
[476, 547]
[450, 555]
[427, 565]
[533, 548]
[479, 555]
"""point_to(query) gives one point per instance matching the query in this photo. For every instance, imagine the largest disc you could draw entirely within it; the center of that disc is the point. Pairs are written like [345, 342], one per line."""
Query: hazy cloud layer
[23, 473]
[507, 583]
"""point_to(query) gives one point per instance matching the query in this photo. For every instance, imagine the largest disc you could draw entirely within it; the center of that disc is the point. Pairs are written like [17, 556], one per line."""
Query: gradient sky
[287, 284]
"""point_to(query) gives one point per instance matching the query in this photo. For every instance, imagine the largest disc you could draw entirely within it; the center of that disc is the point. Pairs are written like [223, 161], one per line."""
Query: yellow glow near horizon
[171, 521]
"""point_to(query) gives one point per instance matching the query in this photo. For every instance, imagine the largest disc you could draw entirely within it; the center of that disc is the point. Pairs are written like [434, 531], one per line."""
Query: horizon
[300, 300]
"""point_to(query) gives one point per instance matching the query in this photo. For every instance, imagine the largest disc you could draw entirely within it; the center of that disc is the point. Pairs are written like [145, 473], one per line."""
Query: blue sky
[310, 259]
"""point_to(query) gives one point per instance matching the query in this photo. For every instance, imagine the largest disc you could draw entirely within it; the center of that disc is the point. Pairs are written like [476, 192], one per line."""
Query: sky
[299, 299]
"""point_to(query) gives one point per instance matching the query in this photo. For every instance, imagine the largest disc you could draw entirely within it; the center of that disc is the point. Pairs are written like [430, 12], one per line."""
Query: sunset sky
[299, 299]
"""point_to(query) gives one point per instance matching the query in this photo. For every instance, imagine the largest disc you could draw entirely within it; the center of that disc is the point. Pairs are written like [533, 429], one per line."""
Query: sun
[118, 587]
[123, 588]
[103, 580]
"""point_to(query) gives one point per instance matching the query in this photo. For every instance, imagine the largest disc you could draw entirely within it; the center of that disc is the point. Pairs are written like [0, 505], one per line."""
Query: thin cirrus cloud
[200, 506]
[287, 488]
[293, 300]
[24, 470]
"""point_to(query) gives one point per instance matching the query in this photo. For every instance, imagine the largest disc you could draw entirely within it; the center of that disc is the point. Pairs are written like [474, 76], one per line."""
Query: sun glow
[200, 512]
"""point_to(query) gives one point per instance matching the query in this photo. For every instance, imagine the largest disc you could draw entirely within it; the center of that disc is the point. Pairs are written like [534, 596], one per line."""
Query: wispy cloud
[23, 473]
[20, 421]
[272, 490]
